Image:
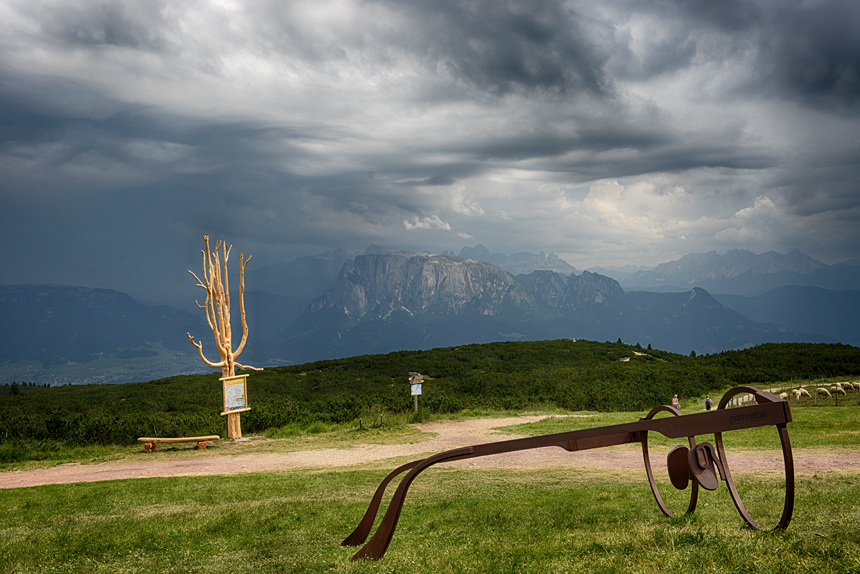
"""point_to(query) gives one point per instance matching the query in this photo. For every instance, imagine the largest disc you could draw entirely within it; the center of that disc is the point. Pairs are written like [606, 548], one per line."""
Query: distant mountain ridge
[403, 301]
[703, 266]
[56, 324]
[741, 272]
[58, 334]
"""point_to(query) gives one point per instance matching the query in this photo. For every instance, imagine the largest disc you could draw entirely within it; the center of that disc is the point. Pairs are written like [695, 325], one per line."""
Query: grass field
[454, 520]
[475, 520]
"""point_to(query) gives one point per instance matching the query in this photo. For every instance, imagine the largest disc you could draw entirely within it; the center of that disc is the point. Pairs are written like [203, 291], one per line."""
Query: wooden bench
[150, 444]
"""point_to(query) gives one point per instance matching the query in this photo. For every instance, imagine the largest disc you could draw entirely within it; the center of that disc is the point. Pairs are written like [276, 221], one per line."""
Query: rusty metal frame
[698, 464]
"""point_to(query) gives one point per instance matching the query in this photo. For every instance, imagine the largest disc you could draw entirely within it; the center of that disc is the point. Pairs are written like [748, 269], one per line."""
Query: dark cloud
[504, 47]
[814, 52]
[602, 130]
[729, 16]
[135, 25]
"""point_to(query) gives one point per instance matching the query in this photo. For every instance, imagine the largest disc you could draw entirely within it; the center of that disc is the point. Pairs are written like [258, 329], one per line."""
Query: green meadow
[454, 520]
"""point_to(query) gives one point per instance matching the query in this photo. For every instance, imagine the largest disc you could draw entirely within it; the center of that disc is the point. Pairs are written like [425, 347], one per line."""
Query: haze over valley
[336, 304]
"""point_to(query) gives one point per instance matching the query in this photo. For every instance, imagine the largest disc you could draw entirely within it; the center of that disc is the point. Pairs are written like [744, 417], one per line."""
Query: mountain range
[418, 301]
[741, 272]
[339, 304]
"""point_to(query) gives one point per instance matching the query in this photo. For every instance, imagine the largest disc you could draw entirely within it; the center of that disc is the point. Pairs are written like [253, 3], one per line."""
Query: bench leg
[201, 445]
[150, 446]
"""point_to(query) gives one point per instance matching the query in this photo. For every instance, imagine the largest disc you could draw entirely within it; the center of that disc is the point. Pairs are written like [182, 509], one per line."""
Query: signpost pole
[234, 425]
[415, 381]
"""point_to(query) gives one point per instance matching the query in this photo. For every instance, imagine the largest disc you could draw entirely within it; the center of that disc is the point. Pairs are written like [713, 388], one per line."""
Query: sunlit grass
[454, 520]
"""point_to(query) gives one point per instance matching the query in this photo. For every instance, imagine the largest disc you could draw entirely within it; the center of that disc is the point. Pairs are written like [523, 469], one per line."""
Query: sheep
[804, 393]
[783, 396]
[799, 393]
[849, 387]
[837, 389]
[824, 392]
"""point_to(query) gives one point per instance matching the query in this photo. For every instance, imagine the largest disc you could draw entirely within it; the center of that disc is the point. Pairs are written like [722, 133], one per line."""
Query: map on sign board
[234, 395]
[416, 389]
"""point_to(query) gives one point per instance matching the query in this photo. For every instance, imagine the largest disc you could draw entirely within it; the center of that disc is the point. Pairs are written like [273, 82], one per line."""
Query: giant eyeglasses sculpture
[699, 464]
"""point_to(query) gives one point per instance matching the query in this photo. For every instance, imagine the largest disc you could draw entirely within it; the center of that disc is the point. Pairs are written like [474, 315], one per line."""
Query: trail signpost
[415, 381]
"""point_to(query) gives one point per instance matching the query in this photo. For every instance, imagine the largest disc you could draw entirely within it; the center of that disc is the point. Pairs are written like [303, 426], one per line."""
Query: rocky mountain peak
[597, 289]
[378, 285]
[702, 298]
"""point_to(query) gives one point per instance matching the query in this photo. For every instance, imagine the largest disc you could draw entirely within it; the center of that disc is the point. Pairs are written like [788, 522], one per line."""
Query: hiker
[708, 402]
[676, 403]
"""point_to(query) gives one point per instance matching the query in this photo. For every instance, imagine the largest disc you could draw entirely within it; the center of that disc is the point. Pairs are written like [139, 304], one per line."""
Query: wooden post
[415, 382]
[234, 425]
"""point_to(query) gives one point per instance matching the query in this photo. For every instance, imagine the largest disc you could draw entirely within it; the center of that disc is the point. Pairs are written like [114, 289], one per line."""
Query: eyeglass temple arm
[570, 441]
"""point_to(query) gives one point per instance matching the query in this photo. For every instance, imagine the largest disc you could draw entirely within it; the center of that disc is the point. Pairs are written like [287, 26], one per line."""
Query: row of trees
[15, 387]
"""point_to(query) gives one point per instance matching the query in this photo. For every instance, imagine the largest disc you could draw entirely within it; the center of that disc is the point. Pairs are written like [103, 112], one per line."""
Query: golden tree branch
[208, 295]
[223, 335]
[216, 283]
[226, 250]
[248, 367]
[242, 264]
[200, 350]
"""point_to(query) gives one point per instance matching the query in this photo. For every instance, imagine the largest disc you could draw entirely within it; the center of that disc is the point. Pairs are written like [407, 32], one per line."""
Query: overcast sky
[610, 133]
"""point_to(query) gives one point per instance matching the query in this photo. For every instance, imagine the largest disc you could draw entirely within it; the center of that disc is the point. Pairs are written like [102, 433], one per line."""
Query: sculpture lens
[667, 460]
[756, 467]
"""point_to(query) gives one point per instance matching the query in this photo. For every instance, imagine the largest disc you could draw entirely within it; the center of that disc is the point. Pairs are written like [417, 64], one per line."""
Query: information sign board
[235, 394]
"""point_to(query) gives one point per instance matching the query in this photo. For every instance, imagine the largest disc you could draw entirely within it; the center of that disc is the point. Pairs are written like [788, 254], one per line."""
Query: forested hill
[576, 375]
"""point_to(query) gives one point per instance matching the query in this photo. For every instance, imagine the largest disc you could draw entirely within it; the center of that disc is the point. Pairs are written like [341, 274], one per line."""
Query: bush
[580, 375]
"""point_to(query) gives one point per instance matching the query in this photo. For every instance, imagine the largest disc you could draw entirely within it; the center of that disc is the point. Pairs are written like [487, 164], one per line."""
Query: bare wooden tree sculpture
[216, 283]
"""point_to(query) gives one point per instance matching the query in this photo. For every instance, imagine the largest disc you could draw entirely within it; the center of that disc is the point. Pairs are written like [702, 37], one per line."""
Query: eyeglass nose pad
[679, 468]
[704, 465]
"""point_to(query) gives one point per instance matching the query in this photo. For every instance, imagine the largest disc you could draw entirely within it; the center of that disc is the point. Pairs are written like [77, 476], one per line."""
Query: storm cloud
[610, 133]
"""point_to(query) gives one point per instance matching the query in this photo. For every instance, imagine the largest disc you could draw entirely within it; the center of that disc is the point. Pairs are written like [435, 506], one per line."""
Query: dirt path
[449, 435]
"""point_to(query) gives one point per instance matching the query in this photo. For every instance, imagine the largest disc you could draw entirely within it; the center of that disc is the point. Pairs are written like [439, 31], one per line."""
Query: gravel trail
[448, 435]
